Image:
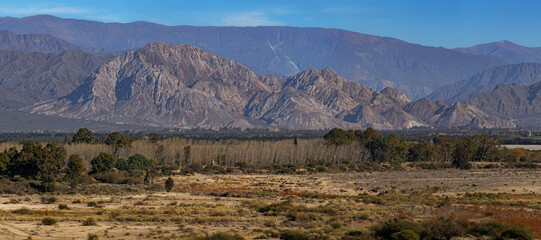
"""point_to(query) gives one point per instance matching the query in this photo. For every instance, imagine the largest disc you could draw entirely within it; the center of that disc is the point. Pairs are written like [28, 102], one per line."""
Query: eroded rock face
[184, 86]
[26, 78]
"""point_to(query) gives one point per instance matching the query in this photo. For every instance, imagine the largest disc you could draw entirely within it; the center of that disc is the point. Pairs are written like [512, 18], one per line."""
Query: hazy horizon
[447, 24]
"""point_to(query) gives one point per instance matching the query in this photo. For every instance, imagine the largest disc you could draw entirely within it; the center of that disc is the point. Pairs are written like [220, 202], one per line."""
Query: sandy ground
[528, 147]
[195, 190]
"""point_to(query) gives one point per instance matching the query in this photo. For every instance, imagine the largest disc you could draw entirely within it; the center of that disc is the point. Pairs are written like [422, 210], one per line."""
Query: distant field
[528, 147]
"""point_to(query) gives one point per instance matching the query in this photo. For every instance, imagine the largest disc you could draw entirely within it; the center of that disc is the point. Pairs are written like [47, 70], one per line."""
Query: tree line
[118, 158]
[458, 151]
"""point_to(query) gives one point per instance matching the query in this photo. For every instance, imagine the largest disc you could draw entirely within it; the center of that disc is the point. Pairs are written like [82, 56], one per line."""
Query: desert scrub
[222, 236]
[63, 207]
[47, 221]
[90, 222]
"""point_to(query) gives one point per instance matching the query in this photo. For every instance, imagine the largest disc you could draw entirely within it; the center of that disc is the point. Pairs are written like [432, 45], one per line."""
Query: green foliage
[294, 235]
[169, 183]
[517, 232]
[222, 236]
[122, 164]
[83, 135]
[405, 234]
[4, 163]
[139, 161]
[47, 221]
[463, 154]
[118, 140]
[386, 230]
[36, 162]
[63, 207]
[103, 162]
[75, 167]
[339, 136]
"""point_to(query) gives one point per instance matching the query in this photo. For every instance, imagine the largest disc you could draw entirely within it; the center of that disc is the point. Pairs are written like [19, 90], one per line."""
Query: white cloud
[42, 10]
[248, 19]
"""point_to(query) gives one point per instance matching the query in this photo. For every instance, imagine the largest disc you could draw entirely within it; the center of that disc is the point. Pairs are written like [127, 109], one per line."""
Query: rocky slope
[377, 62]
[43, 43]
[521, 103]
[175, 85]
[507, 51]
[26, 78]
[486, 81]
[184, 86]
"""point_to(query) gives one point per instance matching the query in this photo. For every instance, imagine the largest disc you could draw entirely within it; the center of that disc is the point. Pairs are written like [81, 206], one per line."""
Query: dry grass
[256, 205]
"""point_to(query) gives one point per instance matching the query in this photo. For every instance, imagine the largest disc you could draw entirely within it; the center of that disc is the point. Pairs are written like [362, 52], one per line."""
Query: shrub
[90, 222]
[294, 235]
[110, 177]
[357, 235]
[63, 207]
[92, 236]
[222, 236]
[103, 162]
[92, 204]
[385, 230]
[443, 228]
[517, 232]
[122, 164]
[405, 235]
[22, 211]
[138, 161]
[48, 221]
[75, 167]
[169, 183]
[48, 200]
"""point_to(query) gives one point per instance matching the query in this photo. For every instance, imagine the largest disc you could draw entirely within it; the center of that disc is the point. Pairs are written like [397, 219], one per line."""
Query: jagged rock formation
[376, 62]
[486, 81]
[507, 51]
[43, 43]
[26, 78]
[184, 86]
[520, 103]
[176, 85]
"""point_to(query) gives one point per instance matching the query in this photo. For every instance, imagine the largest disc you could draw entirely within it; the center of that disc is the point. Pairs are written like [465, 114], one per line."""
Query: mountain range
[508, 51]
[64, 70]
[485, 81]
[376, 62]
[184, 86]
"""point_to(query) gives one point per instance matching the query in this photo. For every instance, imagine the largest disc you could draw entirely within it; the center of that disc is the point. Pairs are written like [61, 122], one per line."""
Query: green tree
[486, 148]
[4, 164]
[423, 151]
[75, 167]
[339, 136]
[103, 162]
[83, 135]
[122, 164]
[367, 135]
[58, 153]
[118, 140]
[169, 183]
[463, 153]
[139, 161]
[187, 153]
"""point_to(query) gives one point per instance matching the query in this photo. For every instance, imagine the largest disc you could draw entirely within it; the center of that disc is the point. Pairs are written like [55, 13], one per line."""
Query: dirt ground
[203, 204]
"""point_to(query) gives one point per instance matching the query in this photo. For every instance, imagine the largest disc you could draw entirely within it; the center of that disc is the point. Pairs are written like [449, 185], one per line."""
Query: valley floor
[263, 205]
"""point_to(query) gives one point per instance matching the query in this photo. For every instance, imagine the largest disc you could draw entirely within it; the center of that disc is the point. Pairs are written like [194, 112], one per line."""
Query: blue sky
[451, 23]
